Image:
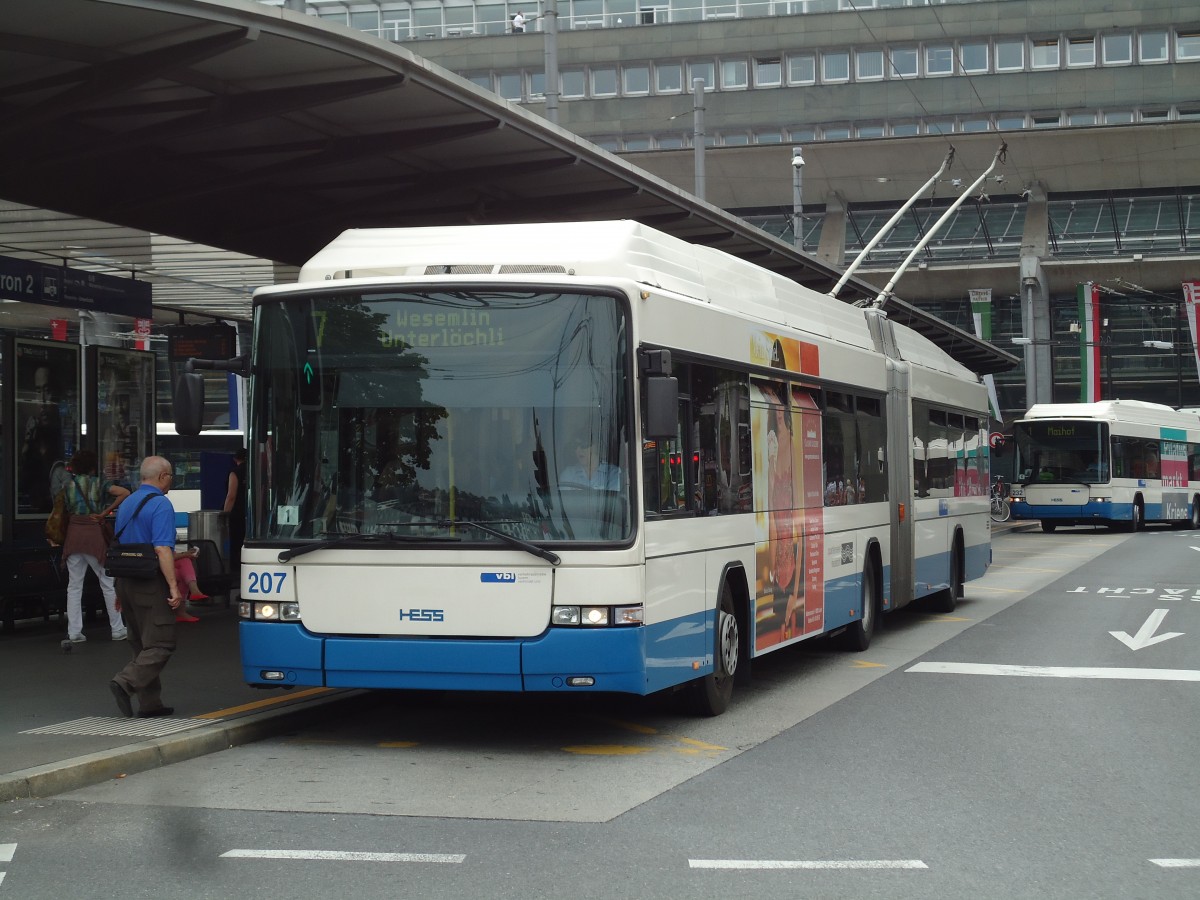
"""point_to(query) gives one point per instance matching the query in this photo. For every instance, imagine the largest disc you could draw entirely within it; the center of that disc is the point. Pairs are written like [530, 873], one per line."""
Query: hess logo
[422, 615]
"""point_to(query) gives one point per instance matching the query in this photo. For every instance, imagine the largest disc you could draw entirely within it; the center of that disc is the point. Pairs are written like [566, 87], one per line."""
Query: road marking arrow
[1145, 636]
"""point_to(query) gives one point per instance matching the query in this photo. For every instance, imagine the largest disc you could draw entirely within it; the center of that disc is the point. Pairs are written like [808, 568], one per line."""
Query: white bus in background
[581, 457]
[1115, 462]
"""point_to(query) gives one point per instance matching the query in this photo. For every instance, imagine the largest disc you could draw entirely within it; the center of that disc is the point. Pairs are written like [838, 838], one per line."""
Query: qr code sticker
[847, 553]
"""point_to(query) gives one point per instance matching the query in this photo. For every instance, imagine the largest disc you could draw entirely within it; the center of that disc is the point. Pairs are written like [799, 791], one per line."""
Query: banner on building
[1090, 388]
[981, 316]
[1191, 298]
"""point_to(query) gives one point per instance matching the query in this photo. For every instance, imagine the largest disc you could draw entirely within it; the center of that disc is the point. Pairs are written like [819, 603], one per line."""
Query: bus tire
[1195, 519]
[1138, 516]
[1048, 526]
[857, 637]
[710, 694]
[945, 601]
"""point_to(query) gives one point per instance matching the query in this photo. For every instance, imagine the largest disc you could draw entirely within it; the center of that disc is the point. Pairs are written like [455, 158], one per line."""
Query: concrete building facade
[1096, 107]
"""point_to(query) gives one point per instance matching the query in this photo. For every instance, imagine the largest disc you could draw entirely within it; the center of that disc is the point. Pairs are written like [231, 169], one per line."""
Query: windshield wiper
[540, 552]
[356, 538]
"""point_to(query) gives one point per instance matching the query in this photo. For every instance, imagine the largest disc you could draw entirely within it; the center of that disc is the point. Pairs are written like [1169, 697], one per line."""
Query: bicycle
[1001, 511]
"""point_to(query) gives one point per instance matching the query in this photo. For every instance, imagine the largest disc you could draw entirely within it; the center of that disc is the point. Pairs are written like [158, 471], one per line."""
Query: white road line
[344, 855]
[1, 878]
[807, 864]
[7, 851]
[1126, 674]
[1177, 863]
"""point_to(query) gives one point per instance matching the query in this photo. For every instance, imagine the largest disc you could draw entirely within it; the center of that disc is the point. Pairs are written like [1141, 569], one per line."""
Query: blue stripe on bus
[612, 656]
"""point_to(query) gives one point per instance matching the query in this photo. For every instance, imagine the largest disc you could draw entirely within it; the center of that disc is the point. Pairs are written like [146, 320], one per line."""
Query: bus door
[900, 484]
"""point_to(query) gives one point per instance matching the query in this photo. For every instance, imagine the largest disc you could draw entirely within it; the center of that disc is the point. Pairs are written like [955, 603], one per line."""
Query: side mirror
[188, 406]
[661, 415]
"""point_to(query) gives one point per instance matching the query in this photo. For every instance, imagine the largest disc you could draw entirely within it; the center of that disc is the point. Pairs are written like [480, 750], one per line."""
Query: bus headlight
[597, 616]
[267, 611]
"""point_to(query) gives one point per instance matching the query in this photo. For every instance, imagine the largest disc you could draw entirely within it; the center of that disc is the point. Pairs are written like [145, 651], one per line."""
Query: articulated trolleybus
[586, 457]
[1115, 462]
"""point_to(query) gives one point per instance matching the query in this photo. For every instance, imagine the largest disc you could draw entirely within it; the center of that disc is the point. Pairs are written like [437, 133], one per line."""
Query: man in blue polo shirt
[149, 603]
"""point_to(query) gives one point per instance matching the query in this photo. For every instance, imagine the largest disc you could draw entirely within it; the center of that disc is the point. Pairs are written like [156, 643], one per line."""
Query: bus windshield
[403, 412]
[1062, 452]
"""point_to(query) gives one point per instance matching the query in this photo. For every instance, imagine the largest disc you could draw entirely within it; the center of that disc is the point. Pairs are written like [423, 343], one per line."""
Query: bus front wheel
[710, 695]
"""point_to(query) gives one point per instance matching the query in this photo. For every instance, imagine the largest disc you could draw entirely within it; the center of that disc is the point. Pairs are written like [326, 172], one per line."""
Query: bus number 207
[266, 582]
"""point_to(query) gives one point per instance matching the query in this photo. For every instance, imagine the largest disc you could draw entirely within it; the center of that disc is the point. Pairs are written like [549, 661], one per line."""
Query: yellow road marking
[606, 750]
[701, 745]
[863, 664]
[936, 618]
[397, 745]
[262, 704]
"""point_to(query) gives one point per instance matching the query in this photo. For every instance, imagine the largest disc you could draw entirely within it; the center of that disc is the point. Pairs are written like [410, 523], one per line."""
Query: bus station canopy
[268, 132]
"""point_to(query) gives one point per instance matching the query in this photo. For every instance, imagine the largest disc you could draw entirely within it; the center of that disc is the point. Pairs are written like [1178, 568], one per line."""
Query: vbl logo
[498, 577]
[423, 615]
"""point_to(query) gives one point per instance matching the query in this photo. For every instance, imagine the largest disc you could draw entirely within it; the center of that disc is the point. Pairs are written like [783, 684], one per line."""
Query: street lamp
[797, 198]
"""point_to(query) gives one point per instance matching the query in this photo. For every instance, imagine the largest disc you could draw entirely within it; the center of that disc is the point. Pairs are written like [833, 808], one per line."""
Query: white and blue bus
[1116, 462]
[587, 457]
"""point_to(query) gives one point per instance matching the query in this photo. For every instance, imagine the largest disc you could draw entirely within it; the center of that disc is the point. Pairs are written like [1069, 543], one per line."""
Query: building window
[939, 126]
[573, 83]
[604, 82]
[939, 59]
[905, 129]
[973, 125]
[1152, 46]
[768, 137]
[802, 135]
[636, 79]
[1047, 121]
[768, 72]
[1010, 56]
[1187, 45]
[869, 131]
[483, 81]
[735, 139]
[973, 57]
[904, 62]
[537, 84]
[1081, 118]
[1010, 123]
[868, 65]
[802, 68]
[734, 74]
[672, 142]
[668, 78]
[508, 85]
[1154, 115]
[1081, 51]
[836, 132]
[705, 70]
[835, 66]
[1044, 54]
[1118, 117]
[1117, 49]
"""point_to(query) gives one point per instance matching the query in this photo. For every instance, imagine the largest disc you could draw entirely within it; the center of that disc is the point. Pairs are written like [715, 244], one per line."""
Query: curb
[94, 768]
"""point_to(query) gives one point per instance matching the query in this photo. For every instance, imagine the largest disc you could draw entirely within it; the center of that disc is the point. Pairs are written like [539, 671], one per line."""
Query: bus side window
[665, 477]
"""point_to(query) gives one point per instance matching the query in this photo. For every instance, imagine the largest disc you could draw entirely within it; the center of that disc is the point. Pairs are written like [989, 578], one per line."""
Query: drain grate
[113, 727]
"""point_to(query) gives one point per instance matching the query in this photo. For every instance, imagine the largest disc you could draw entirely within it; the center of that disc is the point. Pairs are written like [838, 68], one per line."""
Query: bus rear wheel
[1048, 526]
[1195, 521]
[710, 695]
[945, 601]
[857, 636]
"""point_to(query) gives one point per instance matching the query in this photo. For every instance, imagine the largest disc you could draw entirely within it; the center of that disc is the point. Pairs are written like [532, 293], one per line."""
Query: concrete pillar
[832, 247]
[1035, 299]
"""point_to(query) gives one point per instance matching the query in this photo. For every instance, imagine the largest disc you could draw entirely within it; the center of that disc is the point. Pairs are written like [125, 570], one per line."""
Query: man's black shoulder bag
[131, 560]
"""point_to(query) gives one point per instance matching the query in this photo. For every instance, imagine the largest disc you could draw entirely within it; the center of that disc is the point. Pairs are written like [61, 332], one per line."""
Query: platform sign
[26, 281]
